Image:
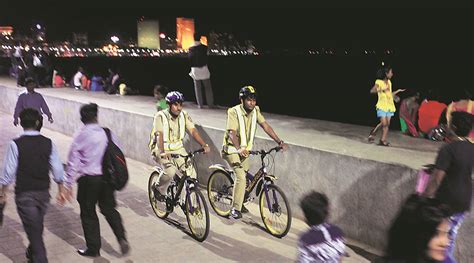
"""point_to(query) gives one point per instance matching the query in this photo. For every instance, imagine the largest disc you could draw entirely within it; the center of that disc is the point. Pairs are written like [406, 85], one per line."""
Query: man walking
[28, 161]
[85, 165]
[451, 182]
[200, 72]
[33, 100]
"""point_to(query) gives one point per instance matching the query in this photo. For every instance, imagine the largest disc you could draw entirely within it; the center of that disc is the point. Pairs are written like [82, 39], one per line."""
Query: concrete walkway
[151, 239]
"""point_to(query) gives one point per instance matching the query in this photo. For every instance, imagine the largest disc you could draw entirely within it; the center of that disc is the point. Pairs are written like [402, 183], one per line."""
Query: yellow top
[385, 101]
[233, 122]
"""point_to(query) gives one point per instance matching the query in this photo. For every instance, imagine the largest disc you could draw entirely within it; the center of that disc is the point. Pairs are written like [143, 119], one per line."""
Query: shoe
[88, 253]
[383, 143]
[244, 210]
[235, 214]
[124, 247]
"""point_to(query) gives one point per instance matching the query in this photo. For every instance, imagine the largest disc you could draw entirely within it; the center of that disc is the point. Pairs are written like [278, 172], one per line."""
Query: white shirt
[77, 79]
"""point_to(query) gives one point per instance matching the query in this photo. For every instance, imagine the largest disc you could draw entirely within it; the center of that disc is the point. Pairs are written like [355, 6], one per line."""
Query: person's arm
[73, 162]
[18, 109]
[375, 88]
[435, 181]
[269, 130]
[56, 167]
[198, 138]
[398, 91]
[443, 161]
[45, 109]
[191, 128]
[9, 170]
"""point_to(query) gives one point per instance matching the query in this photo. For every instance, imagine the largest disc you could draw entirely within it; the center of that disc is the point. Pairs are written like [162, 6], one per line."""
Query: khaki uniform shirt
[173, 125]
[233, 122]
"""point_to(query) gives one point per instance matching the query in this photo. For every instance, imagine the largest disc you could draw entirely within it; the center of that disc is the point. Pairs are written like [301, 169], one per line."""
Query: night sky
[416, 28]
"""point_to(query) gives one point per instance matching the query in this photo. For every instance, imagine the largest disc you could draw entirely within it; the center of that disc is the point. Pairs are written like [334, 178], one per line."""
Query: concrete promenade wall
[365, 195]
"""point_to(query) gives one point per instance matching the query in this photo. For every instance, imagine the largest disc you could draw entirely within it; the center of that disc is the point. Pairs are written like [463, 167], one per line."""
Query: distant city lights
[67, 50]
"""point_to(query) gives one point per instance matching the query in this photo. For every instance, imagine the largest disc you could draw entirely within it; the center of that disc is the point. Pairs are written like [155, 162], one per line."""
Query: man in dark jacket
[200, 72]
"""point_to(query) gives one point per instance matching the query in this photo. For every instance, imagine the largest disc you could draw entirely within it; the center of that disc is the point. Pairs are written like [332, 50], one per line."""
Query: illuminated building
[6, 30]
[148, 34]
[185, 32]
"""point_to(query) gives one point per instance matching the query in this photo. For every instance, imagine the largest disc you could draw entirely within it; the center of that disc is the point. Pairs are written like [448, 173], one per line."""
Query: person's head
[80, 69]
[175, 100]
[197, 36]
[89, 113]
[315, 207]
[419, 231]
[159, 92]
[461, 123]
[31, 119]
[30, 84]
[248, 97]
[385, 72]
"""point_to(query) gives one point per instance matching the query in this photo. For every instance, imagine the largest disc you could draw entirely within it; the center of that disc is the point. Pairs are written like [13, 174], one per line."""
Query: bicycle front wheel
[197, 214]
[275, 211]
[158, 207]
[219, 191]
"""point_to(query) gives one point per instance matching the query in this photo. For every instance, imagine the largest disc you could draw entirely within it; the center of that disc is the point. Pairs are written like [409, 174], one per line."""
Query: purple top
[86, 152]
[32, 100]
[322, 243]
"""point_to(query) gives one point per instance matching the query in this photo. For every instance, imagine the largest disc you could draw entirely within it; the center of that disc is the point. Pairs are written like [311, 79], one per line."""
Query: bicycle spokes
[197, 214]
[275, 211]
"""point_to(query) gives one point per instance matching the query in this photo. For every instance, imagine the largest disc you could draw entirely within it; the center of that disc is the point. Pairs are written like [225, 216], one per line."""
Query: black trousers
[93, 190]
[32, 207]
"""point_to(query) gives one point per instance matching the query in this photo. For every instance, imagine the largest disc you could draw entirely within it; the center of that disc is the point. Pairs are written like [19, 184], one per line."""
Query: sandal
[384, 143]
[371, 137]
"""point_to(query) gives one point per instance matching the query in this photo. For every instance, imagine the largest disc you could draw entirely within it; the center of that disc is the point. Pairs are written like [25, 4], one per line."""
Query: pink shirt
[86, 152]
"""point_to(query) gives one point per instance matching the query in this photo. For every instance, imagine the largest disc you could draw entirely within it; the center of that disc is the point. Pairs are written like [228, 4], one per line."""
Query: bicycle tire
[221, 182]
[161, 213]
[201, 211]
[271, 222]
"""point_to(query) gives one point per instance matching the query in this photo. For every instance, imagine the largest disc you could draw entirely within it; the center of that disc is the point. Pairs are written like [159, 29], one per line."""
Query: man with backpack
[89, 147]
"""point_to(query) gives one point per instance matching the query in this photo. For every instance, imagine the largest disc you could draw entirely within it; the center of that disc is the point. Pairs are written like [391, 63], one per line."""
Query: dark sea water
[334, 88]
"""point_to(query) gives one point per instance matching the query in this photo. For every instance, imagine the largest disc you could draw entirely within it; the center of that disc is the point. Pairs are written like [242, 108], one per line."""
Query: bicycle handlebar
[189, 155]
[263, 152]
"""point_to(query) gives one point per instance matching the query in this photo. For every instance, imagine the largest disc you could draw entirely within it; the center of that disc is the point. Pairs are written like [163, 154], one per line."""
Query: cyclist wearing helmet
[170, 126]
[238, 140]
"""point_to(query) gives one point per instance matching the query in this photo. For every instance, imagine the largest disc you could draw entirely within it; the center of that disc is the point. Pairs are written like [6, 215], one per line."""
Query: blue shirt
[11, 163]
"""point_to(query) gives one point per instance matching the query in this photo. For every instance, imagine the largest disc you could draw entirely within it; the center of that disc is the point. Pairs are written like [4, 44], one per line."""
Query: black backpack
[114, 167]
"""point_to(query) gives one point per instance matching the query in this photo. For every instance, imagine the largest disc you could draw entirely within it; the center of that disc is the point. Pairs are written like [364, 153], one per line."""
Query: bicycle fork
[271, 207]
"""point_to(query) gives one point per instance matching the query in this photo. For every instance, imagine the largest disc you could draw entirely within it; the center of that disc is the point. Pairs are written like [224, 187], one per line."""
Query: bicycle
[274, 207]
[194, 206]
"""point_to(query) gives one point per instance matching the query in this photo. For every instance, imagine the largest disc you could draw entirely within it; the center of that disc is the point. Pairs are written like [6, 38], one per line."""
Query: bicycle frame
[261, 178]
[185, 181]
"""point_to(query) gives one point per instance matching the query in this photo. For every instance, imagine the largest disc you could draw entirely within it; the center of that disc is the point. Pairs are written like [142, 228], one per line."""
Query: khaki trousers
[241, 166]
[171, 166]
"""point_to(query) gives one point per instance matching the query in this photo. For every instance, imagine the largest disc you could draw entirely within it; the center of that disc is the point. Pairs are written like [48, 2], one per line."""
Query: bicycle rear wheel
[197, 214]
[275, 211]
[219, 192]
[158, 207]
